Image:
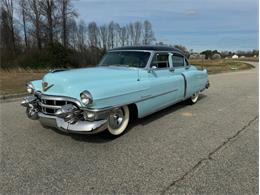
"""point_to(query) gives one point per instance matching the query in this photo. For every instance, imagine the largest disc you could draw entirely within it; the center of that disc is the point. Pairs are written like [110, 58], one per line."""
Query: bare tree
[148, 34]
[93, 34]
[64, 9]
[137, 32]
[46, 25]
[47, 8]
[36, 19]
[111, 34]
[123, 36]
[117, 30]
[73, 33]
[23, 11]
[131, 32]
[103, 36]
[81, 35]
[67, 13]
[8, 8]
[183, 49]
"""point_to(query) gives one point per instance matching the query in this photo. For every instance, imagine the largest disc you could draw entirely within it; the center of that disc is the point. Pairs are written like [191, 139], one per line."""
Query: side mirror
[152, 68]
[172, 69]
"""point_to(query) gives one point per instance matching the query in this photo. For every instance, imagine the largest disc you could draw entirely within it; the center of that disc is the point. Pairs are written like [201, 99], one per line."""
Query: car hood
[101, 82]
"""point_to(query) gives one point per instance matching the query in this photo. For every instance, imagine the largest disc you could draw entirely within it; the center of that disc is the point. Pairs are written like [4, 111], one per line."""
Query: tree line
[47, 33]
[209, 54]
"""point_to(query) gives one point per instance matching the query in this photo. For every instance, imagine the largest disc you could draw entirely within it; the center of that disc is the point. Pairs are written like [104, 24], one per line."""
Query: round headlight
[29, 88]
[86, 98]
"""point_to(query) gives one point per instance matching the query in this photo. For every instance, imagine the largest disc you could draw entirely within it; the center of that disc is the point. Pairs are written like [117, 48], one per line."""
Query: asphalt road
[210, 147]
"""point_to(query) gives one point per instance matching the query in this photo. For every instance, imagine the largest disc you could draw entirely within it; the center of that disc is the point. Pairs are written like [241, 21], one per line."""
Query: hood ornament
[45, 86]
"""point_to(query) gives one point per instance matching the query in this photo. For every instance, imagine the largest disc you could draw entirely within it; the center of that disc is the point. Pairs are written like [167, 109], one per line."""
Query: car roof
[151, 48]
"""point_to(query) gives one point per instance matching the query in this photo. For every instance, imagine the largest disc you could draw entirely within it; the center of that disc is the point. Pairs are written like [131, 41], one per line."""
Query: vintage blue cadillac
[128, 82]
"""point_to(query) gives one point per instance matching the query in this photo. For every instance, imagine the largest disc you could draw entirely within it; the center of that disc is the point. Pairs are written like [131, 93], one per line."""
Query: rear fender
[196, 80]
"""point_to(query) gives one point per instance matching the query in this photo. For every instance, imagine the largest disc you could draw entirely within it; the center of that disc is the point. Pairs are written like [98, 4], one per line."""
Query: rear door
[179, 67]
[192, 77]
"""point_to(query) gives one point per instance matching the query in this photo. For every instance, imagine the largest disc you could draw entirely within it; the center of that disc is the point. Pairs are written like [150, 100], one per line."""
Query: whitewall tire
[118, 120]
[194, 98]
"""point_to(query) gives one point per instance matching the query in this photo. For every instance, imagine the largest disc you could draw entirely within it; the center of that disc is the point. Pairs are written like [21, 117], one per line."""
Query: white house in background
[235, 56]
[242, 57]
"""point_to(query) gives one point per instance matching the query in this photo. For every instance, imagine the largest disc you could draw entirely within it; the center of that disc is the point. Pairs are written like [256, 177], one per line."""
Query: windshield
[126, 58]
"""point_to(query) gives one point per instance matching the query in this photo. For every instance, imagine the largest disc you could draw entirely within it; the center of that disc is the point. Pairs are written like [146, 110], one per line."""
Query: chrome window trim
[152, 53]
[158, 69]
[57, 70]
[149, 51]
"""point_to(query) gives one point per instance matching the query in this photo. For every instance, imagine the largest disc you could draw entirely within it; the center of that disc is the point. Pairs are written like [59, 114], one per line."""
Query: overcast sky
[197, 24]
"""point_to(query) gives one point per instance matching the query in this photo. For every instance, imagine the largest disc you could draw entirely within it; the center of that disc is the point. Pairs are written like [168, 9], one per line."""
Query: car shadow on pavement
[101, 137]
[104, 136]
[157, 115]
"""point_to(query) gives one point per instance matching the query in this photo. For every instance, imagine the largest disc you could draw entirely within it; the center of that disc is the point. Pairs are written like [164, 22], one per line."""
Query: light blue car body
[150, 90]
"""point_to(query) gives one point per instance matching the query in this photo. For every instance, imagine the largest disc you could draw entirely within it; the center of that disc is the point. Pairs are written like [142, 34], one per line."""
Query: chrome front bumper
[82, 127]
[67, 118]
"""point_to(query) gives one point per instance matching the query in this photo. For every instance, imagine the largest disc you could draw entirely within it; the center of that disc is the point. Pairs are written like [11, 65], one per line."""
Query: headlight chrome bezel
[86, 98]
[29, 88]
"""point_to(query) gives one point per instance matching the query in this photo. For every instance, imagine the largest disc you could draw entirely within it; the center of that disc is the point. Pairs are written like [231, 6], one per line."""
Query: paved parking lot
[210, 147]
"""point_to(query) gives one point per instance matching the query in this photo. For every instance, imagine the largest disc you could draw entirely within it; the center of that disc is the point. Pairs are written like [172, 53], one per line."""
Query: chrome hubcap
[116, 118]
[194, 97]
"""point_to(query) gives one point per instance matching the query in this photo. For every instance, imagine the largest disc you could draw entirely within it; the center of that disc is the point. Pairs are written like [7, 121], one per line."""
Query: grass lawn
[13, 81]
[218, 66]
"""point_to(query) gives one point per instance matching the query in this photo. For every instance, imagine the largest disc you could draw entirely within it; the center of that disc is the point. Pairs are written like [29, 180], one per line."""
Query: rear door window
[160, 60]
[177, 61]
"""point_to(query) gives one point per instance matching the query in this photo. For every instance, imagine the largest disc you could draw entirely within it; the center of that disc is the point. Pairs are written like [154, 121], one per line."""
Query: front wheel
[118, 120]
[194, 98]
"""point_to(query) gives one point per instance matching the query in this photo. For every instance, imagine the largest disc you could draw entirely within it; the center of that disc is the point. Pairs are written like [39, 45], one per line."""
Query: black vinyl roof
[153, 48]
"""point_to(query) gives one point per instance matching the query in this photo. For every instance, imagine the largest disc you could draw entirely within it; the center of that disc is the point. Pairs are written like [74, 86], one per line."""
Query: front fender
[121, 94]
[37, 84]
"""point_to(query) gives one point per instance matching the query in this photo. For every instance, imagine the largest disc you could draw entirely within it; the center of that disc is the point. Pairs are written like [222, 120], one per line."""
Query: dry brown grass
[13, 81]
[218, 66]
[249, 59]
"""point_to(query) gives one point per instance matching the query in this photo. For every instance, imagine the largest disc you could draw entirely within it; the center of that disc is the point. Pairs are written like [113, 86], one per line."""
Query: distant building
[235, 56]
[242, 56]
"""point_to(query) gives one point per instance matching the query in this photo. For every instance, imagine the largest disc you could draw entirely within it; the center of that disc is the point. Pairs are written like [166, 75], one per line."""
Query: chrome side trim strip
[116, 106]
[136, 91]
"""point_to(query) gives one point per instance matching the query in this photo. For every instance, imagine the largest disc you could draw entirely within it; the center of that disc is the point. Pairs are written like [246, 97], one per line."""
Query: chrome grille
[50, 106]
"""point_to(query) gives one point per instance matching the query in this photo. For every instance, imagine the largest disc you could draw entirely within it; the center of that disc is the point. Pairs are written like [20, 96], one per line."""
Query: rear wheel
[118, 120]
[194, 98]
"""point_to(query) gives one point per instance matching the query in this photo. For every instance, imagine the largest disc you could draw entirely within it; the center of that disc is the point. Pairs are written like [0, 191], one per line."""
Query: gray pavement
[207, 148]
